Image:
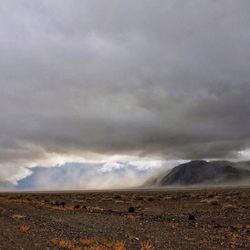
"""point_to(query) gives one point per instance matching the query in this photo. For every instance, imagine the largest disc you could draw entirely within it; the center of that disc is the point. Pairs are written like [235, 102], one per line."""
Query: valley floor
[135, 219]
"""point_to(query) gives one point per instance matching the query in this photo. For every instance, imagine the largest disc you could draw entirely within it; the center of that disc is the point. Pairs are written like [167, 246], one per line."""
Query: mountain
[204, 173]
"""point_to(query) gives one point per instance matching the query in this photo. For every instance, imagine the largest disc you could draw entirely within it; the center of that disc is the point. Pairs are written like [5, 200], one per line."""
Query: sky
[95, 81]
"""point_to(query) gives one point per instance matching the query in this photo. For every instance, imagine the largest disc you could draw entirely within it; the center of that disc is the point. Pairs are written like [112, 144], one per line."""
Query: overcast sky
[94, 79]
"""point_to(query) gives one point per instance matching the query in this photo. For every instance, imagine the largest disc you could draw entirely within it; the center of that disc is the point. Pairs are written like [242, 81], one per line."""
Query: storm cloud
[166, 79]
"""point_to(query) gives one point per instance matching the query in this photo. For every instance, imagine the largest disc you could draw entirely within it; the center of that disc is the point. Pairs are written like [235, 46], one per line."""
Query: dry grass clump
[95, 209]
[93, 248]
[108, 245]
[119, 246]
[166, 198]
[212, 201]
[130, 237]
[24, 229]
[17, 216]
[53, 242]
[65, 244]
[119, 201]
[86, 242]
[146, 246]
[229, 206]
[131, 217]
[189, 238]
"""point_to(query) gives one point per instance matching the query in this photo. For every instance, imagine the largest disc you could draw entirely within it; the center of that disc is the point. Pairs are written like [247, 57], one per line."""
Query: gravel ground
[136, 219]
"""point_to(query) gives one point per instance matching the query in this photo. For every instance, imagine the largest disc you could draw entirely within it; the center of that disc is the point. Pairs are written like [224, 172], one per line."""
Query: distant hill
[204, 173]
[5, 185]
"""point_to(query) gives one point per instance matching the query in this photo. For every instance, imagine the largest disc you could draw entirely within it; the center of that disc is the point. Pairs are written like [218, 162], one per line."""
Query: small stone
[191, 217]
[131, 209]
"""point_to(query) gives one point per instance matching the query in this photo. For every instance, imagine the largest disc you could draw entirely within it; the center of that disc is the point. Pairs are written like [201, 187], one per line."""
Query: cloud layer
[87, 176]
[143, 78]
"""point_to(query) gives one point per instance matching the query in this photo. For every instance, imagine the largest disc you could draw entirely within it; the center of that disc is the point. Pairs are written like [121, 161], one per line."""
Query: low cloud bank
[88, 176]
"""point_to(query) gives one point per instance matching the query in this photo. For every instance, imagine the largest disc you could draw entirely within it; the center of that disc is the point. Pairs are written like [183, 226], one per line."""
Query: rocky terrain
[204, 173]
[134, 219]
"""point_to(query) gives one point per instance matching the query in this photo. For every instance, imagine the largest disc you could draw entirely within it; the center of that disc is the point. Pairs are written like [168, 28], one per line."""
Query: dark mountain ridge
[204, 173]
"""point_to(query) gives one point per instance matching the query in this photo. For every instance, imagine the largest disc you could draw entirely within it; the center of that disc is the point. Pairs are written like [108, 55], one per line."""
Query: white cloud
[88, 176]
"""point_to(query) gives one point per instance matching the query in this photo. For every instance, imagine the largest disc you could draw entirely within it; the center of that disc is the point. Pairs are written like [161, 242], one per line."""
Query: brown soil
[146, 219]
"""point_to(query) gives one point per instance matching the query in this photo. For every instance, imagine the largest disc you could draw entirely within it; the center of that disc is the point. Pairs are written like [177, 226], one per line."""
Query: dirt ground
[136, 219]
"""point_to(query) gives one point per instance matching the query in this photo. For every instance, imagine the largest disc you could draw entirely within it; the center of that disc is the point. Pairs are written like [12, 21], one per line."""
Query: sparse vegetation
[93, 248]
[119, 246]
[95, 209]
[110, 226]
[107, 244]
[146, 246]
[65, 244]
[53, 242]
[24, 229]
[86, 242]
[211, 201]
[229, 206]
[131, 217]
[17, 216]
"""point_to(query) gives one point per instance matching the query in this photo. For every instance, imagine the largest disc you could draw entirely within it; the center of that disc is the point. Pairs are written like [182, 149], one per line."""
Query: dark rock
[217, 225]
[150, 198]
[77, 206]
[62, 204]
[191, 217]
[117, 196]
[233, 228]
[131, 209]
[58, 203]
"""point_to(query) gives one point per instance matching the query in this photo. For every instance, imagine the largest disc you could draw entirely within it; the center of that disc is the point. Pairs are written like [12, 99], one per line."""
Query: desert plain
[199, 218]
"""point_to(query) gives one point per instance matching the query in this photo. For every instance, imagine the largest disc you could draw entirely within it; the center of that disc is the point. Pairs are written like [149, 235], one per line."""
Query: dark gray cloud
[148, 78]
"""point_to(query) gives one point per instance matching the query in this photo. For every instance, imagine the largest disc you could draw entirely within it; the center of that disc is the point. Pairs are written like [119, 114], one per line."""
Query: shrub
[86, 242]
[146, 246]
[229, 206]
[65, 244]
[119, 246]
[17, 216]
[24, 229]
[53, 242]
[131, 217]
[95, 209]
